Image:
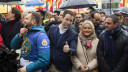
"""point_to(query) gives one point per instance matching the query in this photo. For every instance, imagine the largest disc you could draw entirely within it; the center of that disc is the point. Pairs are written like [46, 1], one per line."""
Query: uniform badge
[44, 42]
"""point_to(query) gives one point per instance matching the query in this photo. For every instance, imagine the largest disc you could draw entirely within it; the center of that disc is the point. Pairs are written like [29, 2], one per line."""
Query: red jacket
[1, 41]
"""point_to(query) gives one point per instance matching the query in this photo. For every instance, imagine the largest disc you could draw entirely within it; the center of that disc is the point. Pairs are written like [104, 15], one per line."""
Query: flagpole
[47, 6]
[56, 4]
[110, 7]
[123, 3]
[7, 8]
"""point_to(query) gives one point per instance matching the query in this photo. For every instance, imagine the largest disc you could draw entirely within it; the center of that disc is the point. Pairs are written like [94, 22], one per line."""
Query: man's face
[40, 15]
[22, 18]
[61, 16]
[55, 15]
[28, 21]
[96, 19]
[67, 21]
[10, 15]
[78, 18]
[109, 25]
[103, 21]
[87, 13]
[80, 25]
[102, 15]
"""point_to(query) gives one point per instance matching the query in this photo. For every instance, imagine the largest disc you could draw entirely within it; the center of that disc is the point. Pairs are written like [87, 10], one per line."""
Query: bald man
[87, 14]
[95, 18]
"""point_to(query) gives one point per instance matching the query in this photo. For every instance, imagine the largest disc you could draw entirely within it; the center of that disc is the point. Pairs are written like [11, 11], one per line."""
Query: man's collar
[62, 30]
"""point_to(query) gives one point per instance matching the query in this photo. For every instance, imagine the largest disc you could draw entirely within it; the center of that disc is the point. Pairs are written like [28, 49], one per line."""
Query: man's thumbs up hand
[66, 48]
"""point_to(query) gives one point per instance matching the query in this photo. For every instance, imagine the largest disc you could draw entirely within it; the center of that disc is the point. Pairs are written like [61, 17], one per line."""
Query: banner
[107, 5]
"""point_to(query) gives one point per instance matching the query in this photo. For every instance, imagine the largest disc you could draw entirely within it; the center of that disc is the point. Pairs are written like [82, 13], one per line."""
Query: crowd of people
[67, 42]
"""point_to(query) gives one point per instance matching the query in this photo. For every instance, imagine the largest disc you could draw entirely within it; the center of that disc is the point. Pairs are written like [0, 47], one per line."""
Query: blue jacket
[60, 59]
[35, 47]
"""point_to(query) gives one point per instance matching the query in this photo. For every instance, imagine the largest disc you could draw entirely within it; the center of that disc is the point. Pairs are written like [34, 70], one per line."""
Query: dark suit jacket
[58, 57]
[8, 35]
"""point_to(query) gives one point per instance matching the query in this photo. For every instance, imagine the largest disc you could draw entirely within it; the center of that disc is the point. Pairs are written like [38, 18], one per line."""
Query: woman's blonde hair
[90, 23]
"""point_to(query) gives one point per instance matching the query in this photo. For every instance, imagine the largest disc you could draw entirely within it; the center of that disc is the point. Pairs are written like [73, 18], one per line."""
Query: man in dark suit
[11, 26]
[63, 41]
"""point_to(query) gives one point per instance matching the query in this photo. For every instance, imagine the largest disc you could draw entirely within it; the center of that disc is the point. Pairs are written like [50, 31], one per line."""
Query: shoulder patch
[44, 42]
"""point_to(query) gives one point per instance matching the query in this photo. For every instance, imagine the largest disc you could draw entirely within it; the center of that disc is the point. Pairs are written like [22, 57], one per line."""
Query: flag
[41, 7]
[19, 7]
[48, 0]
[44, 1]
[59, 2]
[123, 3]
[38, 7]
[51, 5]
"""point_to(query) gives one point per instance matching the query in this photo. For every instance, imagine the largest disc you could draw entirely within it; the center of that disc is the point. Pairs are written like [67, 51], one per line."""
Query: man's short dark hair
[57, 12]
[102, 12]
[114, 18]
[82, 20]
[78, 14]
[36, 16]
[17, 13]
[91, 8]
[93, 13]
[41, 12]
[68, 12]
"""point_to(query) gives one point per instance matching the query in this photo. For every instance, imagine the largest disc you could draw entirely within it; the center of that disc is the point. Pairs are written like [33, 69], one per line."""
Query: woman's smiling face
[87, 30]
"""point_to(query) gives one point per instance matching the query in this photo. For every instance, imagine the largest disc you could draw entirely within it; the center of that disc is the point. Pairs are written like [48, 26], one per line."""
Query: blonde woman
[85, 59]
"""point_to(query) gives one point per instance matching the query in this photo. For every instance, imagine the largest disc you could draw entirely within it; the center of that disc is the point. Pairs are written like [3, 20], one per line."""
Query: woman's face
[87, 30]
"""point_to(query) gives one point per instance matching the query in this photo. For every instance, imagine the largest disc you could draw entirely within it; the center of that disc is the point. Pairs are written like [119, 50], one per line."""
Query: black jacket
[8, 35]
[99, 29]
[124, 27]
[47, 26]
[120, 61]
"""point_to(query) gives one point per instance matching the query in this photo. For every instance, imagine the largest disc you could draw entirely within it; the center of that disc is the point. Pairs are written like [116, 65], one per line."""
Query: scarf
[109, 44]
[86, 41]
